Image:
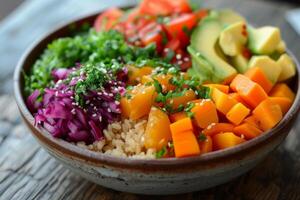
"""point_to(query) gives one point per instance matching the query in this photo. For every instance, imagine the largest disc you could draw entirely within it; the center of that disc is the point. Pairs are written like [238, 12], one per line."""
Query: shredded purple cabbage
[62, 117]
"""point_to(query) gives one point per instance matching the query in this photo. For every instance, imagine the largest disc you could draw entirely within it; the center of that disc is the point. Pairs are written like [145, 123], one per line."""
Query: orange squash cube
[257, 75]
[226, 140]
[282, 90]
[237, 113]
[223, 101]
[157, 133]
[205, 113]
[247, 130]
[182, 125]
[268, 114]
[185, 144]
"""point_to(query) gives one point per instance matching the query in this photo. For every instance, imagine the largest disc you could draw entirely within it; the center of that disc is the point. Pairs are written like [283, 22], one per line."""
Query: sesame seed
[178, 56]
[87, 102]
[100, 118]
[180, 62]
[166, 50]
[186, 59]
[94, 115]
[108, 110]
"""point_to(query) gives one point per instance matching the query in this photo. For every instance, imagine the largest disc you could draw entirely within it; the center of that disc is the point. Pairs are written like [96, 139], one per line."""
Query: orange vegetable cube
[188, 96]
[205, 113]
[237, 113]
[251, 92]
[268, 114]
[138, 102]
[157, 133]
[206, 146]
[252, 120]
[217, 128]
[177, 116]
[135, 74]
[238, 97]
[282, 90]
[226, 140]
[182, 125]
[257, 75]
[247, 130]
[185, 144]
[284, 103]
[221, 87]
[223, 101]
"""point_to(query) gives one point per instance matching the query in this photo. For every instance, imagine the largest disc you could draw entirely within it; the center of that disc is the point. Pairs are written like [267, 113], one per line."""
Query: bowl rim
[64, 147]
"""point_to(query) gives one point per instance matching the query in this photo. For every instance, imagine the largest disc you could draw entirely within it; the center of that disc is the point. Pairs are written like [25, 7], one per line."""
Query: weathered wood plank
[28, 172]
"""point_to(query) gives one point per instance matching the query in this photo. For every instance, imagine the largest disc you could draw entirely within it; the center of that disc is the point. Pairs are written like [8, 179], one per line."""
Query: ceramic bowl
[156, 176]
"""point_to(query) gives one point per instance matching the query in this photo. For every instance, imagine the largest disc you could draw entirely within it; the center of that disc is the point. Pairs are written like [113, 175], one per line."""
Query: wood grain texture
[28, 172]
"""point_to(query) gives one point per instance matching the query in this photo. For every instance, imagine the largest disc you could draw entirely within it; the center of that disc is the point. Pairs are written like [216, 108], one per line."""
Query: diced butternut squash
[284, 103]
[182, 125]
[238, 97]
[188, 96]
[257, 75]
[135, 74]
[177, 116]
[282, 90]
[237, 113]
[226, 140]
[185, 144]
[163, 79]
[252, 120]
[157, 133]
[247, 130]
[138, 102]
[218, 128]
[205, 113]
[223, 101]
[206, 146]
[251, 92]
[221, 87]
[268, 113]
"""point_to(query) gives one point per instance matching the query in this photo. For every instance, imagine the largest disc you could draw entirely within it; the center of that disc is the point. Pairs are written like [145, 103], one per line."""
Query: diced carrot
[237, 113]
[188, 96]
[185, 144]
[257, 75]
[135, 74]
[284, 103]
[177, 116]
[182, 125]
[206, 146]
[226, 140]
[221, 87]
[282, 90]
[205, 113]
[238, 97]
[252, 120]
[247, 130]
[157, 133]
[251, 92]
[223, 101]
[268, 113]
[218, 128]
[163, 79]
[138, 102]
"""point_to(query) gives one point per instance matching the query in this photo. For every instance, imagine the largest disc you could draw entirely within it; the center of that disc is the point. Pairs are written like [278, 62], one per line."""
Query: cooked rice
[123, 139]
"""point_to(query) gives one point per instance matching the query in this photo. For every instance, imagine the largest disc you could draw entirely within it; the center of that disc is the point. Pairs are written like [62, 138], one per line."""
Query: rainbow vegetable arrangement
[205, 80]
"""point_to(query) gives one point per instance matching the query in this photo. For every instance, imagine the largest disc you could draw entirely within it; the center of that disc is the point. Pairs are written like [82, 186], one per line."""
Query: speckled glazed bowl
[161, 176]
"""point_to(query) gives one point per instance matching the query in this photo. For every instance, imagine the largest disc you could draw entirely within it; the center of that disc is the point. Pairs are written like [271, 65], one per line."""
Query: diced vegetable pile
[205, 80]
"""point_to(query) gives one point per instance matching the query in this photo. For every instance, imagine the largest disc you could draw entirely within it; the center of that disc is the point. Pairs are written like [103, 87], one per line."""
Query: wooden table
[28, 172]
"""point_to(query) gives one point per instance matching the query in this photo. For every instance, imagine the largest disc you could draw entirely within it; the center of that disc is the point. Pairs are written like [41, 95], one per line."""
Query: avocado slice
[270, 67]
[288, 68]
[240, 63]
[203, 41]
[228, 17]
[233, 38]
[264, 40]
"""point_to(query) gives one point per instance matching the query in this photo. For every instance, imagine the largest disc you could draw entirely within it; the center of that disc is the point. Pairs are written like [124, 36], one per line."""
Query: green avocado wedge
[208, 65]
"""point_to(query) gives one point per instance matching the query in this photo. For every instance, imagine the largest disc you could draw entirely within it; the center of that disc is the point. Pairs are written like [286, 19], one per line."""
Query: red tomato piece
[156, 7]
[108, 19]
[179, 26]
[201, 13]
[152, 33]
[180, 6]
